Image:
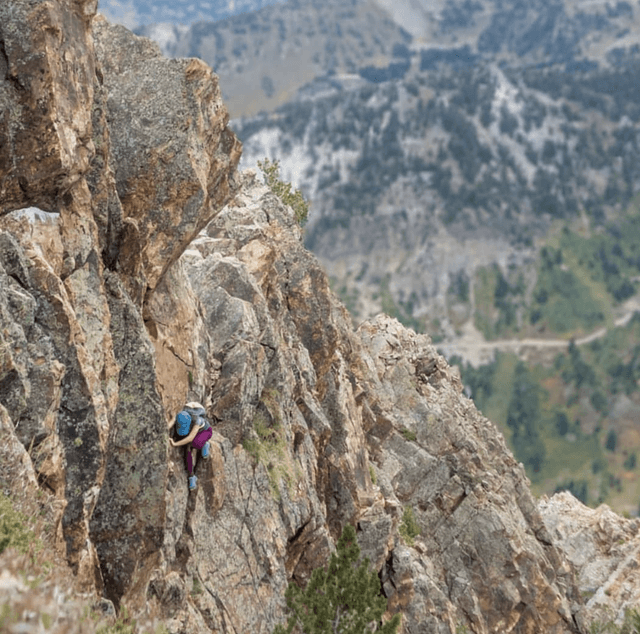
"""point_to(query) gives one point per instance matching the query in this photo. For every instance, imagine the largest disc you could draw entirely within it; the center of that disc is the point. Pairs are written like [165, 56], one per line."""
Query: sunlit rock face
[320, 425]
[156, 275]
[171, 151]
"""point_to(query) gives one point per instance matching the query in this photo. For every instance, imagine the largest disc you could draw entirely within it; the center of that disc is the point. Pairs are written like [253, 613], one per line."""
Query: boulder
[603, 548]
[172, 153]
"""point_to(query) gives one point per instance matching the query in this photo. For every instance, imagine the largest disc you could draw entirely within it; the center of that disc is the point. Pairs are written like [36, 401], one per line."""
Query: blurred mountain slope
[133, 13]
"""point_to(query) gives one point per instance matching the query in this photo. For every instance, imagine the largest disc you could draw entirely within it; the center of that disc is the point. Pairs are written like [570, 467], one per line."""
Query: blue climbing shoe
[206, 450]
[192, 482]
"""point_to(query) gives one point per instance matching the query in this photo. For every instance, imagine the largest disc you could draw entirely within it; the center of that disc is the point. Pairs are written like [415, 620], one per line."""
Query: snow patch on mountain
[506, 94]
[412, 15]
[266, 144]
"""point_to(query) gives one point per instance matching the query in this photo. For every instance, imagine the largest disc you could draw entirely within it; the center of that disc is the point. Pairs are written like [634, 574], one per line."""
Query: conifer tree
[343, 598]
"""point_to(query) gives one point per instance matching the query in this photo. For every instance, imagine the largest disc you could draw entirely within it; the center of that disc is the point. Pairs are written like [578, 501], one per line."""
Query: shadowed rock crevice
[136, 467]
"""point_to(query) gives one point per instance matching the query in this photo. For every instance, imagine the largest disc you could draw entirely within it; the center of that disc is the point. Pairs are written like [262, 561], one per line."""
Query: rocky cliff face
[151, 274]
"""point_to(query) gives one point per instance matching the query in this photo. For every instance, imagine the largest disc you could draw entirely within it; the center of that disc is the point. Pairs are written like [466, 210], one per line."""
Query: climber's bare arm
[187, 439]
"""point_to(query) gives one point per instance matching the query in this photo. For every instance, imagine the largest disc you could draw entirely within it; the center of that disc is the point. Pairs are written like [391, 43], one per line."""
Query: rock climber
[194, 431]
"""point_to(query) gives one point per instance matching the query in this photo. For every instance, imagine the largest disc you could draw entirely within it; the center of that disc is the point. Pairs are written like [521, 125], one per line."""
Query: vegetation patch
[458, 298]
[196, 587]
[14, 528]
[408, 434]
[409, 528]
[630, 624]
[343, 597]
[401, 312]
[499, 300]
[579, 277]
[267, 444]
[523, 414]
[484, 310]
[561, 419]
[349, 296]
[562, 302]
[292, 198]
[123, 624]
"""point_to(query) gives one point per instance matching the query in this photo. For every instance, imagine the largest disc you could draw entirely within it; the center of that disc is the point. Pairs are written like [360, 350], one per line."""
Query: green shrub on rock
[295, 199]
[14, 530]
[409, 528]
[343, 598]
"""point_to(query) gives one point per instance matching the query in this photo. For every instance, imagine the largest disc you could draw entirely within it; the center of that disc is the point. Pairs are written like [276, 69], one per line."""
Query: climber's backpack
[198, 415]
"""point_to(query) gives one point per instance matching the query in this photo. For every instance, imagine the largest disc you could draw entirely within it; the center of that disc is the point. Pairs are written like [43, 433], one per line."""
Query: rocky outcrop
[163, 276]
[481, 534]
[310, 415]
[604, 550]
[78, 368]
[171, 151]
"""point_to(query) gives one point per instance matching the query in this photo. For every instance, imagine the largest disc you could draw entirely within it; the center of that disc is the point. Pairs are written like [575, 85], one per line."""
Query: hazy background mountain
[281, 47]
[474, 171]
[134, 13]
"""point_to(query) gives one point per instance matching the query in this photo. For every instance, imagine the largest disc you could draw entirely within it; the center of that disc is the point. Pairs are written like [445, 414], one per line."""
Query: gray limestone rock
[127, 524]
[46, 89]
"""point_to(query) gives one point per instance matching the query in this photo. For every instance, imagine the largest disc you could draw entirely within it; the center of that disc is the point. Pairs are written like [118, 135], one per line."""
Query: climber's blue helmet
[183, 423]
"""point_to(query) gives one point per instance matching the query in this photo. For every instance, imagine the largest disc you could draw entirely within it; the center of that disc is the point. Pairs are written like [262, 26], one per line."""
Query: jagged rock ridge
[156, 274]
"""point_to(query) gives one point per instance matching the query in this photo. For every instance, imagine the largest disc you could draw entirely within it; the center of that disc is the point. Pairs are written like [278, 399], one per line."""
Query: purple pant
[197, 443]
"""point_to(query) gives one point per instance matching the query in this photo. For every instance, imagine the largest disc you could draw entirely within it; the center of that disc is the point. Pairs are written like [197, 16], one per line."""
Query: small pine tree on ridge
[343, 598]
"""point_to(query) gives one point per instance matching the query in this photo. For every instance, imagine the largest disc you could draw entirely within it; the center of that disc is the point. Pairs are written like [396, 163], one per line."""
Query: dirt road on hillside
[473, 348]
